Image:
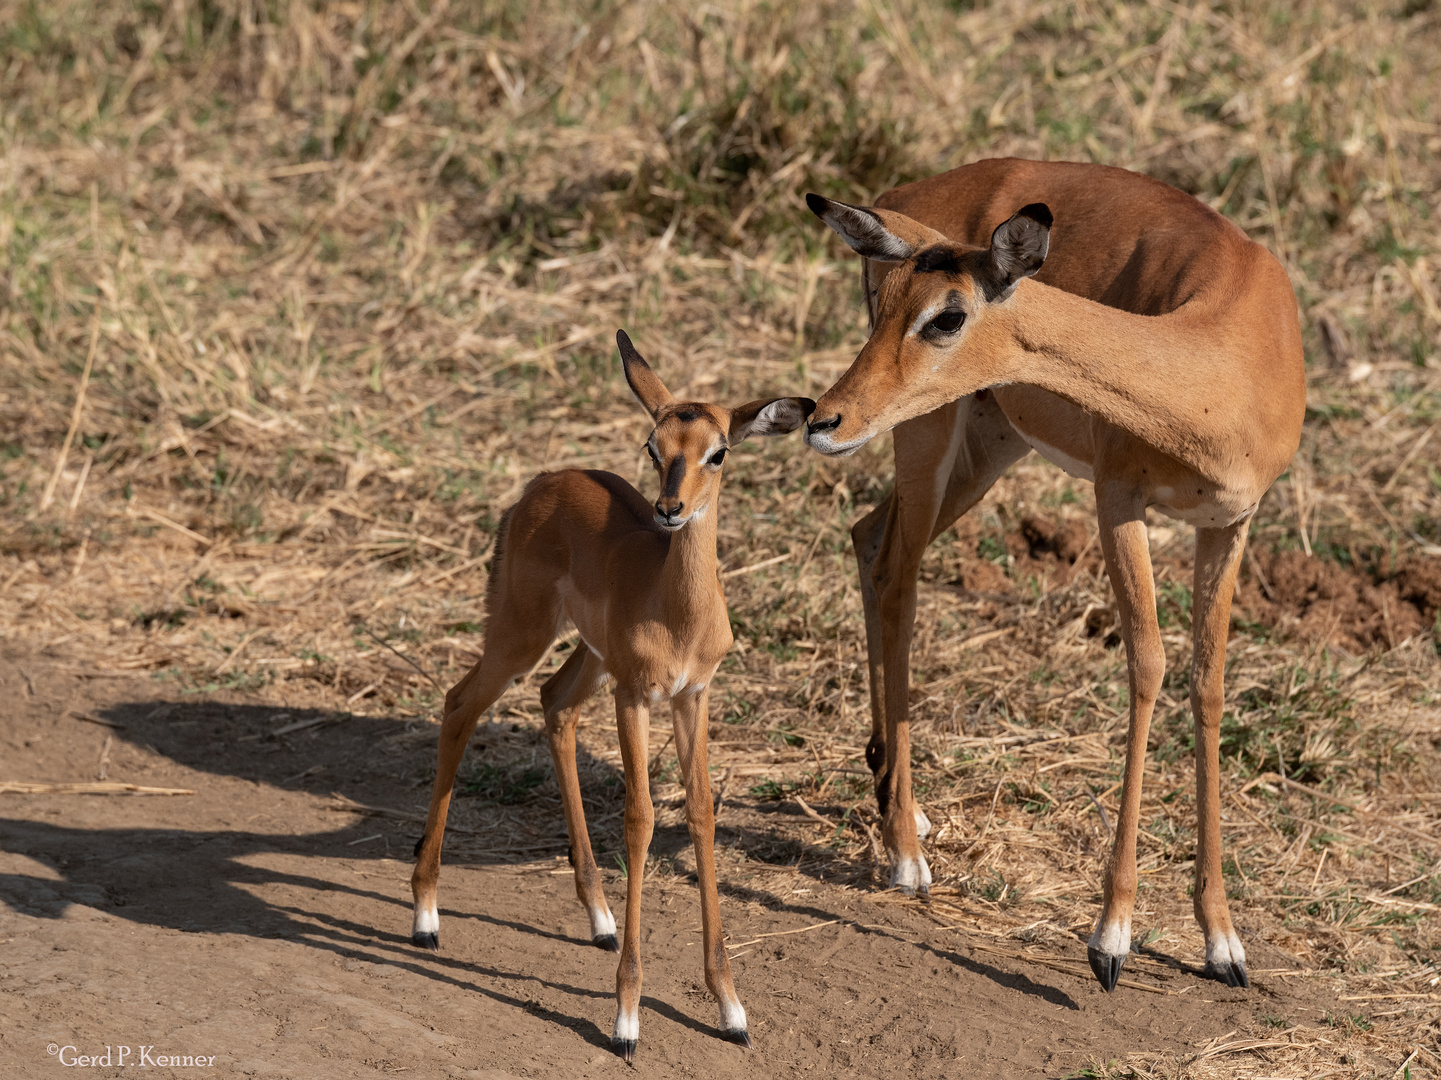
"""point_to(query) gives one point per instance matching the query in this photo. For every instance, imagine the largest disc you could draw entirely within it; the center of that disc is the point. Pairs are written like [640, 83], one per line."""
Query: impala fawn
[641, 584]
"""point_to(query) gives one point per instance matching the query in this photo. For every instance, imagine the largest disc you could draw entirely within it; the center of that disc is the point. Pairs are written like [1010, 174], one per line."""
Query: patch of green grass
[507, 785]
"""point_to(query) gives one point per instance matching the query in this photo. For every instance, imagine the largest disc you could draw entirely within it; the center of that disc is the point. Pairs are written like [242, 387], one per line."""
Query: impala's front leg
[1218, 557]
[895, 572]
[633, 720]
[1128, 562]
[691, 716]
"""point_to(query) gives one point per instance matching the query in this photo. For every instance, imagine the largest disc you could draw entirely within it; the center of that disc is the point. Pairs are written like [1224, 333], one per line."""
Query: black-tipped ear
[768, 416]
[862, 229]
[644, 383]
[1019, 245]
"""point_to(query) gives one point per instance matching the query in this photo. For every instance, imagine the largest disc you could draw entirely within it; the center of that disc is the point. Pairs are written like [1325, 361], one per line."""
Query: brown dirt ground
[252, 922]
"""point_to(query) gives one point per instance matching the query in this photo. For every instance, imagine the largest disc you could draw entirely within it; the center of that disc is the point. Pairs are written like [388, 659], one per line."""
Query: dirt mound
[1347, 607]
[1038, 546]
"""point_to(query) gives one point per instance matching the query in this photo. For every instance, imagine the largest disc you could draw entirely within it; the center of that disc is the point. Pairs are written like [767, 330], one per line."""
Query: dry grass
[297, 295]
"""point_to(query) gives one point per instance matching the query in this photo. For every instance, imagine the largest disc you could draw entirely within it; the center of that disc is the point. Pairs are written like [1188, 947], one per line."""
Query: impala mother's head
[940, 318]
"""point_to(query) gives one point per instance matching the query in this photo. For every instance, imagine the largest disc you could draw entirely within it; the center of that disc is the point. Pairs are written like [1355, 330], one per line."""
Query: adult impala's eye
[948, 322]
[717, 457]
[649, 449]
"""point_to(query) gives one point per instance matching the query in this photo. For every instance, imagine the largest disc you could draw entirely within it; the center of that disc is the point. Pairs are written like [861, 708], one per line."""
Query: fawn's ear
[1019, 245]
[879, 235]
[644, 383]
[768, 416]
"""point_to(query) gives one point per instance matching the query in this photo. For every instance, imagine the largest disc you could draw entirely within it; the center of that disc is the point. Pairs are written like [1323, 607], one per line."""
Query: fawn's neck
[688, 580]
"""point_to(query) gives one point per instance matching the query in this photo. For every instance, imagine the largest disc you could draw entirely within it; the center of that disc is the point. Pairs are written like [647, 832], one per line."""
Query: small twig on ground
[91, 718]
[433, 681]
[20, 787]
[811, 813]
[1106, 821]
[653, 770]
[783, 933]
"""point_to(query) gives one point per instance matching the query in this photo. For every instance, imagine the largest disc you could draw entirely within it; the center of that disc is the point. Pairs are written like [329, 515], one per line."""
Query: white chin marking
[733, 1017]
[831, 448]
[627, 1026]
[1224, 950]
[911, 874]
[1112, 939]
[602, 923]
[923, 824]
[427, 919]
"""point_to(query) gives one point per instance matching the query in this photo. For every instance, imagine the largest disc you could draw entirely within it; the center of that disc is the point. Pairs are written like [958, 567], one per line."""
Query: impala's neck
[1154, 377]
[688, 580]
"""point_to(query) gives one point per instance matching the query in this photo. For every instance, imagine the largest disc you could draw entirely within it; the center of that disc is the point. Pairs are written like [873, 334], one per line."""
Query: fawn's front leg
[691, 715]
[633, 722]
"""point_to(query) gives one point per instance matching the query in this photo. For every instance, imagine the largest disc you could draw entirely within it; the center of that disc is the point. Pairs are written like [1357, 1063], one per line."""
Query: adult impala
[641, 585]
[1143, 343]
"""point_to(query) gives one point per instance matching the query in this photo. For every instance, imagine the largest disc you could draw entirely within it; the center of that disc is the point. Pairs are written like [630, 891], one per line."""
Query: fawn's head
[941, 317]
[691, 438]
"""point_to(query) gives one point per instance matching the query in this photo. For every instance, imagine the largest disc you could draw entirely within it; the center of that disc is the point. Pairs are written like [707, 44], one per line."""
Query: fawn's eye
[948, 322]
[717, 457]
[649, 449]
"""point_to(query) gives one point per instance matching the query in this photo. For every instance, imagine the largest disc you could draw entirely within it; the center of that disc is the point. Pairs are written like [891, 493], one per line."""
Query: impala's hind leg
[512, 647]
[1218, 557]
[1122, 517]
[562, 696]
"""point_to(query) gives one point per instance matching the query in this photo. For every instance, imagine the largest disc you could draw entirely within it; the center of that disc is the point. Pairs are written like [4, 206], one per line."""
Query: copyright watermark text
[118, 1057]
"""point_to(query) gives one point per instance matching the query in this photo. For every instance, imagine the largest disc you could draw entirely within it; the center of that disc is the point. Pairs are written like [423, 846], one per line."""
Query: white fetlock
[1226, 960]
[627, 1032]
[733, 1020]
[425, 928]
[1112, 939]
[602, 923]
[923, 824]
[911, 875]
[1224, 949]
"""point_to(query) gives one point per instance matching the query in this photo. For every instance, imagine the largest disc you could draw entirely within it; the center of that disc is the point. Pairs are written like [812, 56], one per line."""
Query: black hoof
[426, 941]
[1230, 974]
[740, 1036]
[624, 1047]
[1107, 969]
[606, 942]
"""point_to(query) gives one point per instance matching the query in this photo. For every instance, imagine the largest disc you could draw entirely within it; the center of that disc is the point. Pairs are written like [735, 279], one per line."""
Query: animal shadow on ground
[208, 881]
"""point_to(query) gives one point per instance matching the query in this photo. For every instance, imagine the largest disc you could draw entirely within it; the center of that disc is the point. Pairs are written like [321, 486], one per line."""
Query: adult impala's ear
[769, 416]
[644, 383]
[1019, 245]
[879, 235]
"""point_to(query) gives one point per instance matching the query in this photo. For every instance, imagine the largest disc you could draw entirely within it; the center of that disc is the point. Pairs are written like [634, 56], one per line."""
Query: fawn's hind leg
[562, 696]
[503, 662]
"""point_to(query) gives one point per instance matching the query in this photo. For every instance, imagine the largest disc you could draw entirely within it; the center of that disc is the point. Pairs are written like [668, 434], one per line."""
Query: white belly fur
[1079, 469]
[1207, 515]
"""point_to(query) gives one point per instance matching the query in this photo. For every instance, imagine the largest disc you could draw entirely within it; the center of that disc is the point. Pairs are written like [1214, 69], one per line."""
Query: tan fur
[640, 583]
[1156, 351]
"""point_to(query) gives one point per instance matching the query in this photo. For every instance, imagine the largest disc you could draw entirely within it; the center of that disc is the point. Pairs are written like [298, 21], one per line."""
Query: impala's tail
[498, 555]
